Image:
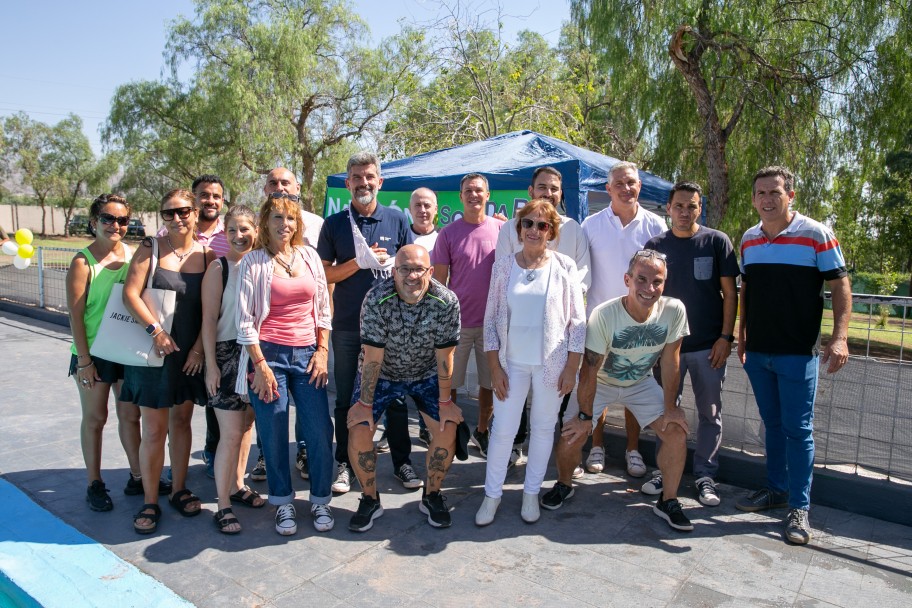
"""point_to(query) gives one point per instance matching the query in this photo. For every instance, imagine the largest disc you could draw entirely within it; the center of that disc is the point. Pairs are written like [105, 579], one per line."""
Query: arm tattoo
[592, 358]
[369, 376]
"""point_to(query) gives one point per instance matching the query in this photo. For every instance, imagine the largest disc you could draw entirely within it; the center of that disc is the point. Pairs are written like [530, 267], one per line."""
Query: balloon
[24, 236]
[10, 247]
[21, 263]
[26, 251]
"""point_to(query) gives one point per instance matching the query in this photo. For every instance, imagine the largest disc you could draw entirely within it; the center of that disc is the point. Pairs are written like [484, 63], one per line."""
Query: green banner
[449, 207]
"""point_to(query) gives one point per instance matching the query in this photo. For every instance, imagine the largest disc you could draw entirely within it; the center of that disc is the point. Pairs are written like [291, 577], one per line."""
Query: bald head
[413, 273]
[413, 253]
[281, 180]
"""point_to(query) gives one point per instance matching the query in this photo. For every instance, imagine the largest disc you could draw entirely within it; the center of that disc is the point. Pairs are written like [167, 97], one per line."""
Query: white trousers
[542, 418]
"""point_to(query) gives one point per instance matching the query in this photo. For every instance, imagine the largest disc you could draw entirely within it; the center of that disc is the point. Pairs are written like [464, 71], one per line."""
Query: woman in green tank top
[92, 274]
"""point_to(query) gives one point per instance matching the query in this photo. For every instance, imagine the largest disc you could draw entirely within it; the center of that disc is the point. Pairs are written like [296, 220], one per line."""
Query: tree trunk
[43, 217]
[308, 170]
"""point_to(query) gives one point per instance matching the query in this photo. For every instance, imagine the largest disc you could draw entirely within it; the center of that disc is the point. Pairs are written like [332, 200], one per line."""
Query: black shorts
[106, 370]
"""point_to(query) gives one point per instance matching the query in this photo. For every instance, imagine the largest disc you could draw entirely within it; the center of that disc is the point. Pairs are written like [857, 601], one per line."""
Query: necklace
[180, 256]
[286, 265]
[531, 272]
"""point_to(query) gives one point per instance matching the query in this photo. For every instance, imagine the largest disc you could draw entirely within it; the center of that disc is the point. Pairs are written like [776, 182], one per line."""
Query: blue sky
[62, 56]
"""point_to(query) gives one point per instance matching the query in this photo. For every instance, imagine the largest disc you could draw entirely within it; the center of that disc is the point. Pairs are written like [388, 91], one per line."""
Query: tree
[27, 152]
[752, 81]
[276, 82]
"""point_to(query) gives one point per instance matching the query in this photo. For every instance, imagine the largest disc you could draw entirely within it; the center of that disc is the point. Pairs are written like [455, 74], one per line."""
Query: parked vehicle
[79, 225]
[136, 228]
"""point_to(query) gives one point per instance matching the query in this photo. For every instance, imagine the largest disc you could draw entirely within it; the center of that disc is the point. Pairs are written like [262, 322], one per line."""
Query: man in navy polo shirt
[701, 273]
[784, 261]
[357, 246]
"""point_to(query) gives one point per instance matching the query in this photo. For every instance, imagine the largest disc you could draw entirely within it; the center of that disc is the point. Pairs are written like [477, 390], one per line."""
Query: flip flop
[153, 517]
[182, 499]
[248, 497]
[225, 518]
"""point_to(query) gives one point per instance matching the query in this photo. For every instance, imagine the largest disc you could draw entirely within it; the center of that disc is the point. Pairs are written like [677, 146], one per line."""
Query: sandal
[152, 517]
[248, 497]
[182, 499]
[225, 518]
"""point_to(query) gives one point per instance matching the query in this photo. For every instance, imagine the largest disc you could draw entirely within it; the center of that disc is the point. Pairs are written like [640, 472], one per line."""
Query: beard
[364, 197]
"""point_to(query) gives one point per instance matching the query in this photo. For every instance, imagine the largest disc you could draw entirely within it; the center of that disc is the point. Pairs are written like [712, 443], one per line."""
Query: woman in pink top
[283, 322]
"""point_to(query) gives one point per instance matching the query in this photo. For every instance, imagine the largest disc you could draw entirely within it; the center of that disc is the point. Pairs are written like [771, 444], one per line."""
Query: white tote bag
[122, 338]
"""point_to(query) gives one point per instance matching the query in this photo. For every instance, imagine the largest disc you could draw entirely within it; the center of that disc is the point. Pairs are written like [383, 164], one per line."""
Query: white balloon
[21, 263]
[10, 247]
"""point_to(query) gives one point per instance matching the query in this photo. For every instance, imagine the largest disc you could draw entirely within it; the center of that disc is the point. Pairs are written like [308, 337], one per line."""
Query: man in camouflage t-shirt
[415, 320]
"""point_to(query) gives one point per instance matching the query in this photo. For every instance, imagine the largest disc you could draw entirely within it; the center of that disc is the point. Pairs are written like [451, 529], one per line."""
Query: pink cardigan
[565, 317]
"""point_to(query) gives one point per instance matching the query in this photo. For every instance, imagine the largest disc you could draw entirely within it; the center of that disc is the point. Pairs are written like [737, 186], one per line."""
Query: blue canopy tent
[508, 162]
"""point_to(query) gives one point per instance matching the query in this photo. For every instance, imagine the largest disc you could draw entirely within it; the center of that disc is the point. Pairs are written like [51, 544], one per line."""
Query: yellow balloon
[24, 236]
[26, 251]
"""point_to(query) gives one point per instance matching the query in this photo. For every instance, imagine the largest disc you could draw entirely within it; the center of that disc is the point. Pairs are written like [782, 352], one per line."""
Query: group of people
[616, 310]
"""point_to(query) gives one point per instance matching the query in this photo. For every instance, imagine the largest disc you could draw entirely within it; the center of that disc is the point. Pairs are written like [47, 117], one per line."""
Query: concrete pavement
[604, 547]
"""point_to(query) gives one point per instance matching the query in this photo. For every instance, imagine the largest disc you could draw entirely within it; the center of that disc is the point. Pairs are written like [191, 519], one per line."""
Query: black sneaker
[481, 441]
[670, 510]
[97, 497]
[258, 473]
[369, 509]
[555, 497]
[797, 527]
[434, 506]
[424, 436]
[134, 487]
[761, 500]
[301, 463]
[410, 480]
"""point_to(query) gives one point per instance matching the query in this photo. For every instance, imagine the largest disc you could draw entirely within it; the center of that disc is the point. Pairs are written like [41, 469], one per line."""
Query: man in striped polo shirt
[784, 261]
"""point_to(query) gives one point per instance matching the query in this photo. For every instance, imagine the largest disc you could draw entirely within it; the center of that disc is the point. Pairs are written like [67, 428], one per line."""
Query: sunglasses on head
[292, 197]
[107, 219]
[182, 212]
[649, 253]
[527, 223]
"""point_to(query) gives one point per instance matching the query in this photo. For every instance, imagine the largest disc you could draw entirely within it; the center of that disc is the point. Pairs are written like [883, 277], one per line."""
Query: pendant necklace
[531, 273]
[180, 256]
[286, 266]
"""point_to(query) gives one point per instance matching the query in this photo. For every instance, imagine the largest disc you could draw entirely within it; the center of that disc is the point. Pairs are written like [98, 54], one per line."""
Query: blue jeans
[785, 387]
[288, 364]
[346, 348]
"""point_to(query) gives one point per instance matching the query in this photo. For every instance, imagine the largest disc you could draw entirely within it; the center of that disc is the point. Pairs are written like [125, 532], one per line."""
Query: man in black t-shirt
[701, 272]
[415, 320]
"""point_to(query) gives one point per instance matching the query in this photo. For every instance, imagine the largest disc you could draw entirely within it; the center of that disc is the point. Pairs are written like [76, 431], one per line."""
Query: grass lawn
[889, 342]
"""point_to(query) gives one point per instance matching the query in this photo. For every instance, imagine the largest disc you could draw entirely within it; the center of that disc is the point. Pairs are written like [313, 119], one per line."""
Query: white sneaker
[516, 455]
[530, 512]
[383, 446]
[635, 465]
[577, 473]
[653, 487]
[343, 481]
[323, 517]
[285, 520]
[486, 511]
[595, 463]
[709, 494]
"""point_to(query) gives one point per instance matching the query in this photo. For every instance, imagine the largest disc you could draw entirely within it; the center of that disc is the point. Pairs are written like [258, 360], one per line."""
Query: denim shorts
[425, 392]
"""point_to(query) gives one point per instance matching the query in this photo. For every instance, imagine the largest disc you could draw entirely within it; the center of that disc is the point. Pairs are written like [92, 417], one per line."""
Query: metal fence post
[41, 277]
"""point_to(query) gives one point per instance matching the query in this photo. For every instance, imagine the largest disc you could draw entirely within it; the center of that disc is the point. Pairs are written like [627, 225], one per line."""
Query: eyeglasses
[292, 197]
[407, 271]
[527, 223]
[649, 253]
[107, 219]
[183, 213]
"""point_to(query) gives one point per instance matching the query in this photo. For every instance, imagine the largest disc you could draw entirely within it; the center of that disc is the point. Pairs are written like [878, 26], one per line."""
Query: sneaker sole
[324, 527]
[370, 524]
[709, 502]
[636, 474]
[107, 507]
[560, 504]
[651, 491]
[435, 524]
[663, 515]
[257, 477]
[411, 485]
[341, 489]
[595, 468]
[287, 531]
[797, 540]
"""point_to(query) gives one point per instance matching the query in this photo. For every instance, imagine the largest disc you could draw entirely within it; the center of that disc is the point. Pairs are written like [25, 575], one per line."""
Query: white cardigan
[254, 285]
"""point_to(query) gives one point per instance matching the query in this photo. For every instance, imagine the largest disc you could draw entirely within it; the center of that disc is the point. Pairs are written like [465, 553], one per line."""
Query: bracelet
[81, 356]
[86, 366]
[195, 352]
[159, 332]
[450, 400]
[370, 405]
[260, 360]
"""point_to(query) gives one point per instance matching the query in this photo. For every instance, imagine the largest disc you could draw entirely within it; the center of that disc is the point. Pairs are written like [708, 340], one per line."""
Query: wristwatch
[584, 417]
[728, 337]
[150, 329]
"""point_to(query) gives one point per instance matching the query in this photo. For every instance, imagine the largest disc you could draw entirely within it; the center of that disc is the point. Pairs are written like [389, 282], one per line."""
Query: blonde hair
[286, 206]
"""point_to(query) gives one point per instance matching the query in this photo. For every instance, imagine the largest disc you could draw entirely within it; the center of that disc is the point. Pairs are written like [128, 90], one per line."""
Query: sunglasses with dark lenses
[183, 213]
[107, 219]
[649, 253]
[527, 223]
[292, 197]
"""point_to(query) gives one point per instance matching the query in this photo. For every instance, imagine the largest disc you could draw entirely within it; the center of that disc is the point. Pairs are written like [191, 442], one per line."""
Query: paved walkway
[604, 547]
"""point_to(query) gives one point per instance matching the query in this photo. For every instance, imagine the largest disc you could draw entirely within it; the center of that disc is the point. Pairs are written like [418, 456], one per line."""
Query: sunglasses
[107, 219]
[649, 253]
[527, 223]
[292, 197]
[183, 213]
